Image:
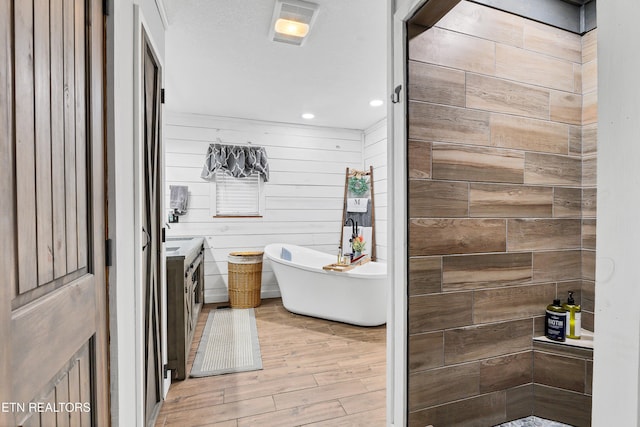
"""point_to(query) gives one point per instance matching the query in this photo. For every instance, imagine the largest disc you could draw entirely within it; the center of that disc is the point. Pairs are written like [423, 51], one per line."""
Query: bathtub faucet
[354, 228]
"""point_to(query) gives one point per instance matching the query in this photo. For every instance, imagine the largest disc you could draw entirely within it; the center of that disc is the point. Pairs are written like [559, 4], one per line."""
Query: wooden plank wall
[303, 197]
[501, 157]
[375, 154]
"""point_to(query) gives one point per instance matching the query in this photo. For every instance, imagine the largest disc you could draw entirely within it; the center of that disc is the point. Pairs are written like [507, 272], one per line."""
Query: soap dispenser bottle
[574, 317]
[555, 321]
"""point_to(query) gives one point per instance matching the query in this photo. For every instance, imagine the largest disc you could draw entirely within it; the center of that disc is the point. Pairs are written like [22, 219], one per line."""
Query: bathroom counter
[586, 340]
[182, 247]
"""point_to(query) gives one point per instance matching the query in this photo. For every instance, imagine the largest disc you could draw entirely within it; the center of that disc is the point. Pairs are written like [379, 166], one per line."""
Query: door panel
[42, 65]
[24, 146]
[68, 24]
[53, 296]
[61, 314]
[80, 41]
[151, 216]
[57, 139]
[50, 137]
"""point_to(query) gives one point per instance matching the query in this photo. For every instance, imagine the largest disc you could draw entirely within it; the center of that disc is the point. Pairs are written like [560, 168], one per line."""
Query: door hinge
[105, 7]
[395, 96]
[164, 234]
[165, 370]
[107, 253]
[162, 96]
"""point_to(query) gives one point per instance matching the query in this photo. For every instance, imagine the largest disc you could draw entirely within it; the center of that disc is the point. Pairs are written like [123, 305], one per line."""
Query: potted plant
[358, 245]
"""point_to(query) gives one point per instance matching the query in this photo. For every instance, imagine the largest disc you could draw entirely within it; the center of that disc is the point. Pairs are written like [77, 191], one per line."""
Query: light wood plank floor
[315, 373]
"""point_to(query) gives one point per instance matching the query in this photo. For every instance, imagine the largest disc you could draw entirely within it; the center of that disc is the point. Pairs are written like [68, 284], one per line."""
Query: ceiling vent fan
[292, 20]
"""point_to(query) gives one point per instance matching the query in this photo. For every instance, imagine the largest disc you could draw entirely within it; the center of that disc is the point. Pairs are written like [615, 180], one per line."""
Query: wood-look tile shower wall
[501, 159]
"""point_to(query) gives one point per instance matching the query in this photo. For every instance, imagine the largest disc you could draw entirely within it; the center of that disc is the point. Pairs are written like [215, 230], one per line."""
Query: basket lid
[247, 253]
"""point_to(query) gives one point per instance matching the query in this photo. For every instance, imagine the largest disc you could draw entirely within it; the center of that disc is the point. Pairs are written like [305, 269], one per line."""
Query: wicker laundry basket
[245, 279]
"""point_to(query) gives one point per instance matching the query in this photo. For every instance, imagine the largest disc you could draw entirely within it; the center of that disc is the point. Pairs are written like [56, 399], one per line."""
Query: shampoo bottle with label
[573, 327]
[555, 321]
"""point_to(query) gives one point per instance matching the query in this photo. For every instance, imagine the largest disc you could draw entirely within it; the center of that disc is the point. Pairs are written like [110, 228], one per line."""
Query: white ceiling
[219, 61]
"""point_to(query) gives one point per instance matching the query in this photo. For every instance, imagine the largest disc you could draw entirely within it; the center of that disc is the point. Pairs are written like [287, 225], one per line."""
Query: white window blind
[237, 196]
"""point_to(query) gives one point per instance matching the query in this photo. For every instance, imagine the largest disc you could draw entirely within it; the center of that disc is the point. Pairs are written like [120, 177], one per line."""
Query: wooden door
[152, 229]
[53, 312]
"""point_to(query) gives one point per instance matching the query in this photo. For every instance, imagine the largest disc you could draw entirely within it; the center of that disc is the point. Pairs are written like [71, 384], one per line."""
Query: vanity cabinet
[185, 296]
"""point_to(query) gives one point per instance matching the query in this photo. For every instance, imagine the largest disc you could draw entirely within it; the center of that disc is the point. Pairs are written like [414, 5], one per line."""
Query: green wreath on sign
[358, 186]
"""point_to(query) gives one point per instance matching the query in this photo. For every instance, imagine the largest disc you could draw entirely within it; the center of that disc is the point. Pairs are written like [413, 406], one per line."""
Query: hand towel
[357, 204]
[179, 198]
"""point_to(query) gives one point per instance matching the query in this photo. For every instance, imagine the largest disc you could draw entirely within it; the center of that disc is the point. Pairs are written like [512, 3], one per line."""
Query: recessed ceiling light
[376, 102]
[308, 116]
[291, 28]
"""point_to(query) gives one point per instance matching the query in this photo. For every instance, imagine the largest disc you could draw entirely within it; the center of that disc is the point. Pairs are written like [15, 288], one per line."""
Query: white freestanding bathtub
[357, 296]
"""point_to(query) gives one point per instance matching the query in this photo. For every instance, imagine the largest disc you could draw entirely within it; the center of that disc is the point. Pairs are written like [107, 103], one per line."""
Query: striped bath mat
[229, 343]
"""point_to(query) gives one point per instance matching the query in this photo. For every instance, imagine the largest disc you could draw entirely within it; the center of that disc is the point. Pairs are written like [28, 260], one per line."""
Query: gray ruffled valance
[236, 160]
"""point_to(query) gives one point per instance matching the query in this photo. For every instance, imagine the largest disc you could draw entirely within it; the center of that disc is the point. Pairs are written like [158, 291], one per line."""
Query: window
[237, 196]
[237, 174]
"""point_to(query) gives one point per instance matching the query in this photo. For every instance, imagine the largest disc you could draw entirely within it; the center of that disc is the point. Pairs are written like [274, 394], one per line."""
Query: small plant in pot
[358, 245]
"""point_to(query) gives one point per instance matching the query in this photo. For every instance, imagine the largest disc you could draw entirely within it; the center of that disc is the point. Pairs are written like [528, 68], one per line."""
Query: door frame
[401, 11]
[397, 338]
[142, 33]
[98, 109]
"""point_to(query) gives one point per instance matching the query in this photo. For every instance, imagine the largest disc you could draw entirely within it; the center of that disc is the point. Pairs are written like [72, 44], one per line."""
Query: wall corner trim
[162, 10]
